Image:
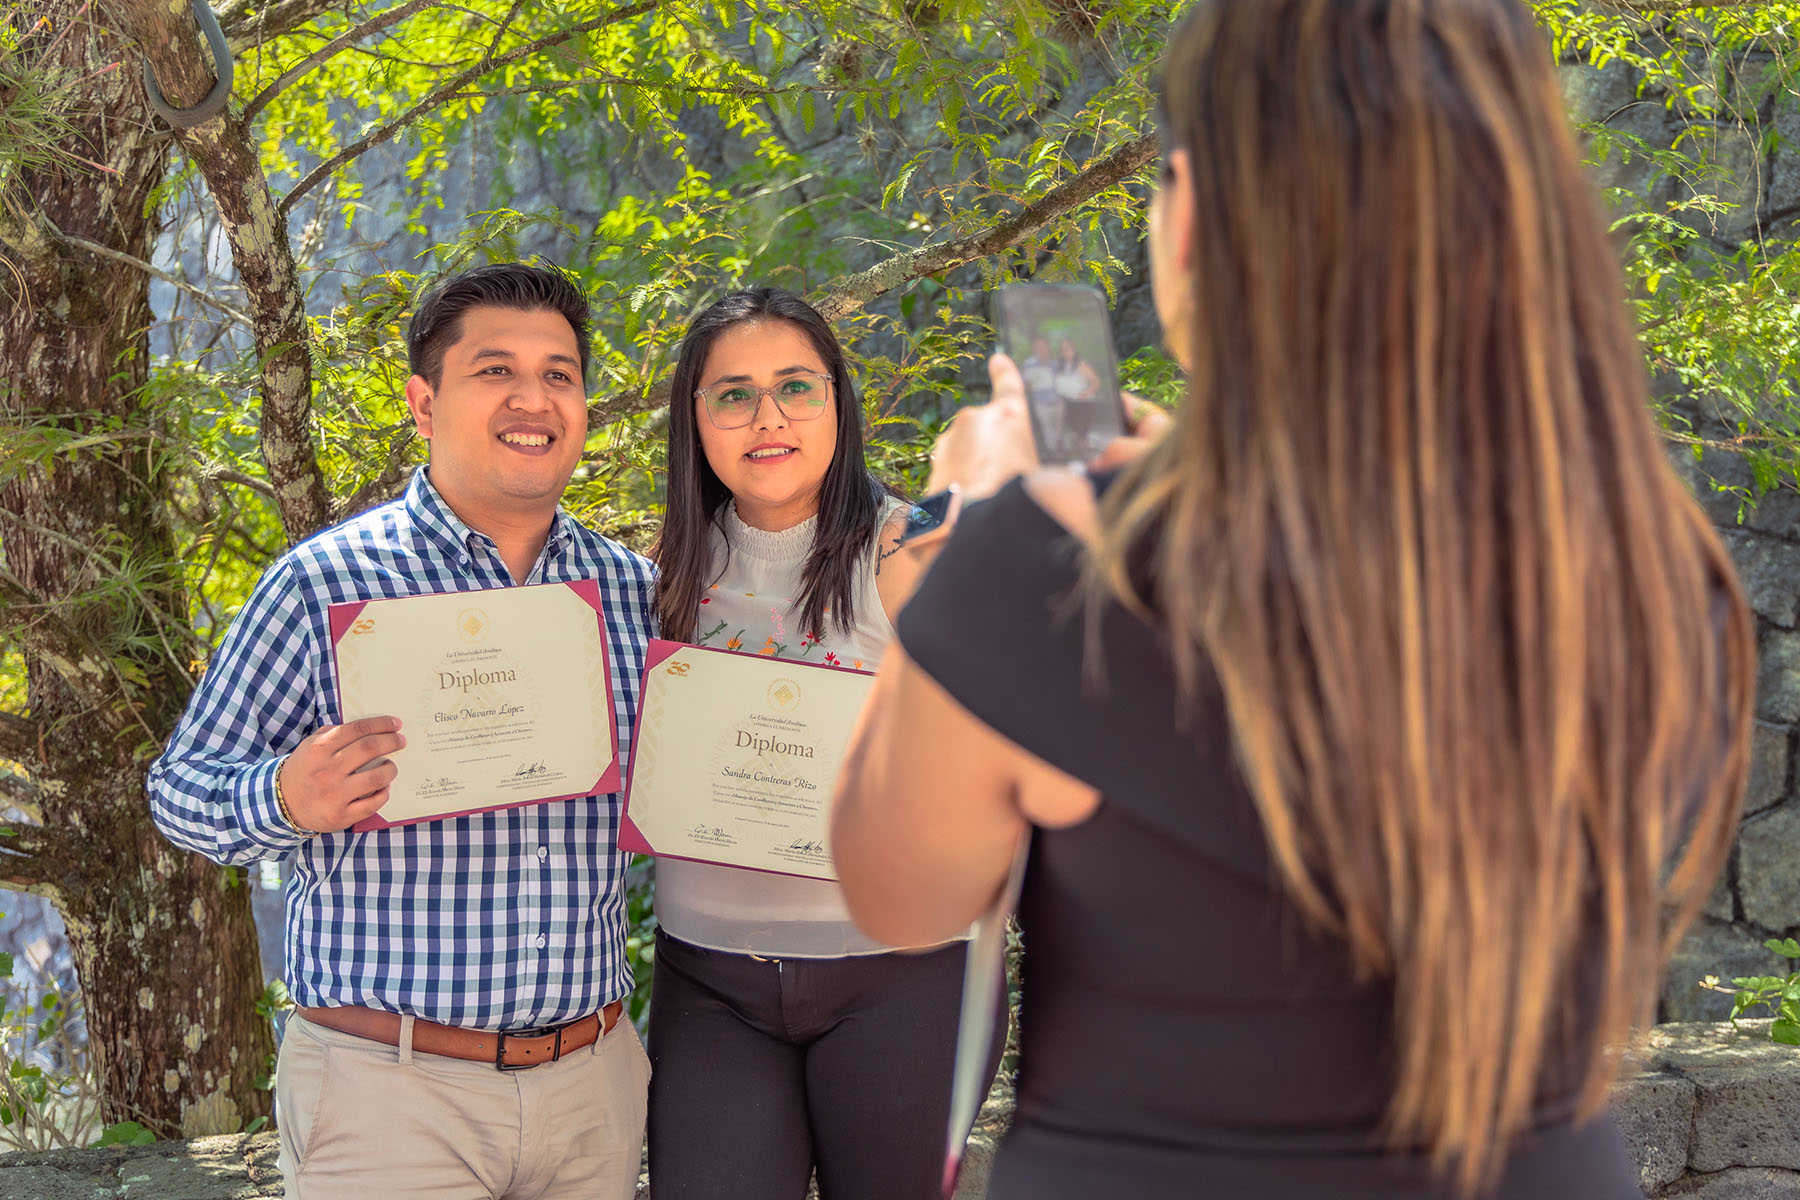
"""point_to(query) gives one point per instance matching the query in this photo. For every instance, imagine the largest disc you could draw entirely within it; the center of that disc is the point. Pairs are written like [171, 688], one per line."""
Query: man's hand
[324, 780]
[987, 445]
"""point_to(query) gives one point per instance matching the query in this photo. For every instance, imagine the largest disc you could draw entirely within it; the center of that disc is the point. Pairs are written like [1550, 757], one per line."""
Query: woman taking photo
[1380, 725]
[783, 1040]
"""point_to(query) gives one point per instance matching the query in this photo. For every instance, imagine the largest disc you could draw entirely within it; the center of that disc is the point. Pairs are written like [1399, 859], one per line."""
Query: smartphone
[933, 512]
[1060, 336]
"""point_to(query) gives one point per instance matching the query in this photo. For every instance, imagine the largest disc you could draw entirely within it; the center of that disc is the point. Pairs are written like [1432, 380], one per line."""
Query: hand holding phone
[986, 445]
[1060, 337]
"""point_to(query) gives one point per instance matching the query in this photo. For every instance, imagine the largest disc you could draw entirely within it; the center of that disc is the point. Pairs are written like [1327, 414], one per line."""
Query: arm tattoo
[882, 556]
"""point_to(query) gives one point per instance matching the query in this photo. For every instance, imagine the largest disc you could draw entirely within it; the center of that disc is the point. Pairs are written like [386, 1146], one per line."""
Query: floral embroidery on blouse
[810, 648]
[742, 628]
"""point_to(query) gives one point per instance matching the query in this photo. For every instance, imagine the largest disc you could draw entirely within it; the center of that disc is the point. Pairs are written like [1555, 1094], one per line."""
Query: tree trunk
[163, 941]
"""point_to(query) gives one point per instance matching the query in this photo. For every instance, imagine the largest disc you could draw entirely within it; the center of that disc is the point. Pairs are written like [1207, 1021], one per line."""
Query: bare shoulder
[887, 539]
[893, 526]
[897, 568]
[1066, 495]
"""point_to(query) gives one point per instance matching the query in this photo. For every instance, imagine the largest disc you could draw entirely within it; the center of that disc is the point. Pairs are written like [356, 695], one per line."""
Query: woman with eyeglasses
[783, 1040]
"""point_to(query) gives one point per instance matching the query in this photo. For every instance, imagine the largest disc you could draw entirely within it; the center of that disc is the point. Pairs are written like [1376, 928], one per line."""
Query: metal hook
[218, 98]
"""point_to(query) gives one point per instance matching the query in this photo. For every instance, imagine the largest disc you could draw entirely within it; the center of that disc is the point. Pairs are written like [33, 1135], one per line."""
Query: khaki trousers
[360, 1120]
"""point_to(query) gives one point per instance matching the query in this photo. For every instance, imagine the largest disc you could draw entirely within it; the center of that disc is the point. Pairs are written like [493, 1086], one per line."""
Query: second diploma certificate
[735, 757]
[504, 695]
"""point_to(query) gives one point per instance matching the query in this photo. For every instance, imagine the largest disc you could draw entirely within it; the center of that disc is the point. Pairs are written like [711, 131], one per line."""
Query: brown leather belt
[507, 1051]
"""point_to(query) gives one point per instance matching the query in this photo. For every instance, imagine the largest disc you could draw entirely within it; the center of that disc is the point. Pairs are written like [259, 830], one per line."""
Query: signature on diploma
[441, 783]
[712, 833]
[809, 849]
[527, 770]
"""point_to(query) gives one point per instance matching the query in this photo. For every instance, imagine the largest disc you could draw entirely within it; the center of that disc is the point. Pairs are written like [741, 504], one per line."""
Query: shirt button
[542, 941]
[543, 853]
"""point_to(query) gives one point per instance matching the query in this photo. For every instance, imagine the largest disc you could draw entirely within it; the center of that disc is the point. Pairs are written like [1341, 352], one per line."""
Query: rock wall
[1715, 1113]
[1707, 1112]
[1758, 896]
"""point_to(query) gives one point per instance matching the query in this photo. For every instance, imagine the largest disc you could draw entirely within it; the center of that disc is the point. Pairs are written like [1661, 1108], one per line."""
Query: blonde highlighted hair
[1487, 668]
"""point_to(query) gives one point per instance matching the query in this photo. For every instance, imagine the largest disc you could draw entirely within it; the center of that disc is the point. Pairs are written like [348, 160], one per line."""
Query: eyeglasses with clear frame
[798, 397]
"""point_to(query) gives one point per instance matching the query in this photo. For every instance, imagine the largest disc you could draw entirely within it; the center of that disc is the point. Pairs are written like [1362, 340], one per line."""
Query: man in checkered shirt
[459, 981]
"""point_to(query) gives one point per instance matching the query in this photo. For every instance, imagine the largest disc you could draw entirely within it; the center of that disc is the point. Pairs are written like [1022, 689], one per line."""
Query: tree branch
[19, 794]
[18, 737]
[850, 293]
[384, 486]
[226, 475]
[330, 50]
[1671, 6]
[175, 281]
[24, 854]
[608, 409]
[228, 159]
[245, 24]
[733, 91]
[25, 839]
[450, 88]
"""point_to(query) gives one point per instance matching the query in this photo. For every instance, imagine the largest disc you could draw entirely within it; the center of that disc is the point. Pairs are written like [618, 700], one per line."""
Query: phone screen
[1061, 338]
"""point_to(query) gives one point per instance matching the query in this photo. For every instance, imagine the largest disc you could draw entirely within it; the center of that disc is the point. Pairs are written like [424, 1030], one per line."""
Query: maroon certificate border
[343, 616]
[656, 653]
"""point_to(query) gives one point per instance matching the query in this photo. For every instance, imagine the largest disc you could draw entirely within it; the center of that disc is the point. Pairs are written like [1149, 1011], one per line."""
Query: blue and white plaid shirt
[503, 920]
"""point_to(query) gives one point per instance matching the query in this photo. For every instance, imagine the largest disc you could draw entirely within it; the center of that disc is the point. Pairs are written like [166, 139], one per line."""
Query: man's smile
[528, 440]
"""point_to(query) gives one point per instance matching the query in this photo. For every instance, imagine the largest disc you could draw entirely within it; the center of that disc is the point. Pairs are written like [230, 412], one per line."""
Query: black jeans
[765, 1069]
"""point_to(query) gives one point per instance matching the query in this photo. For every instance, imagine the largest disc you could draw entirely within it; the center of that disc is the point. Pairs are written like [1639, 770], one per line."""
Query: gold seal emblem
[784, 695]
[472, 623]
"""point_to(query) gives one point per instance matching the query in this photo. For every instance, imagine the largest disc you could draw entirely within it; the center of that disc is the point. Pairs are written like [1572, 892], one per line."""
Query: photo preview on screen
[1061, 338]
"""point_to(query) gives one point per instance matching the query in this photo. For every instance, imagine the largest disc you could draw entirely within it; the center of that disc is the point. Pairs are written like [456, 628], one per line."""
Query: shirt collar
[440, 523]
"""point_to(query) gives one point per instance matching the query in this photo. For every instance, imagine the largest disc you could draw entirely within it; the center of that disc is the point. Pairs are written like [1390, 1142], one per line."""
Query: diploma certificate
[735, 757]
[504, 696]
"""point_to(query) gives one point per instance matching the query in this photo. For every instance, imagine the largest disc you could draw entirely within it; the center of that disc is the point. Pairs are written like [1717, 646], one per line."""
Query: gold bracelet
[281, 803]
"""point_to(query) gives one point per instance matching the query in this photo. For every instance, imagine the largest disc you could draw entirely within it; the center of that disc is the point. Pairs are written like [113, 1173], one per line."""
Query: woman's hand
[1146, 423]
[987, 445]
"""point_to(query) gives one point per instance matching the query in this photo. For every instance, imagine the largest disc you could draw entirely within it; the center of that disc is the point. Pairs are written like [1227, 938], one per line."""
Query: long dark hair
[849, 497]
[1488, 672]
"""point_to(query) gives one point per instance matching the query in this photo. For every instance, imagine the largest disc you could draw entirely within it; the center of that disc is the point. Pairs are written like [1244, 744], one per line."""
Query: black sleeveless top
[1182, 1034]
